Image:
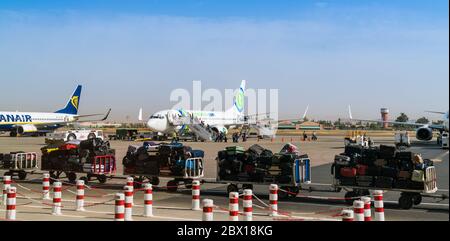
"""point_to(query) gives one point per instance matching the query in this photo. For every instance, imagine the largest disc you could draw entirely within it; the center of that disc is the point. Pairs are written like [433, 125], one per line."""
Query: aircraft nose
[153, 125]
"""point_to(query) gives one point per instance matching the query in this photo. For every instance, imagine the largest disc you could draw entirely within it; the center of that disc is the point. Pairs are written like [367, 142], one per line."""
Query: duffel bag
[418, 176]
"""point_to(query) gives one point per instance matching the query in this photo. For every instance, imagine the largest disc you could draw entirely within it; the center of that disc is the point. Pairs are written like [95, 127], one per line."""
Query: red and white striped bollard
[358, 209]
[119, 208]
[234, 206]
[128, 191]
[248, 205]
[80, 196]
[11, 204]
[273, 197]
[57, 198]
[367, 208]
[46, 186]
[6, 185]
[208, 206]
[196, 196]
[347, 215]
[379, 206]
[148, 200]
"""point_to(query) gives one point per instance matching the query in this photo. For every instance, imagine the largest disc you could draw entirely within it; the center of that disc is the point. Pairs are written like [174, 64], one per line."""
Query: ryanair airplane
[34, 123]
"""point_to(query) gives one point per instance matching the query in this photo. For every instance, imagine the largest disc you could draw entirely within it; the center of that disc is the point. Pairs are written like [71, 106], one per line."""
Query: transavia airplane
[34, 123]
[424, 132]
[205, 124]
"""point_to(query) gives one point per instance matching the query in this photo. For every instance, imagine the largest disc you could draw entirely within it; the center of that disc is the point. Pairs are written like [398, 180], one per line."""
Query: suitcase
[362, 170]
[406, 165]
[256, 149]
[390, 172]
[418, 176]
[404, 174]
[198, 154]
[347, 181]
[235, 150]
[404, 155]
[374, 171]
[342, 160]
[387, 152]
[369, 156]
[352, 150]
[364, 181]
[348, 172]
[380, 163]
[384, 182]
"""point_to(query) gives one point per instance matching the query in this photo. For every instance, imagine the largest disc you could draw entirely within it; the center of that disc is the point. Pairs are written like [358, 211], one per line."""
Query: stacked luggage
[152, 159]
[257, 164]
[383, 167]
[76, 156]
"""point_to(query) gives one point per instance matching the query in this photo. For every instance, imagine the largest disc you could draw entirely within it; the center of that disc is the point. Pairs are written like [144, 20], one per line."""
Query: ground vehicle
[402, 139]
[443, 140]
[125, 134]
[71, 135]
[19, 163]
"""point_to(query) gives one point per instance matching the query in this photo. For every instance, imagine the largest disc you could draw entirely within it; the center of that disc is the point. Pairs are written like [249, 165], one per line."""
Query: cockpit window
[157, 117]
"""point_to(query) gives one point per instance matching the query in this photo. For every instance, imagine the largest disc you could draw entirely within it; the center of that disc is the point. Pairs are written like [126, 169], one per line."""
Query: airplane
[424, 132]
[34, 123]
[205, 124]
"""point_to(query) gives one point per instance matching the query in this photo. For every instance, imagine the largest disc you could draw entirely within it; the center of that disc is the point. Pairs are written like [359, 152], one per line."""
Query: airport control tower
[385, 117]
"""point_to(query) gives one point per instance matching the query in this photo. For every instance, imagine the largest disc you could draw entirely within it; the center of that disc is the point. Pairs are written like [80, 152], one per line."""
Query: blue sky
[128, 54]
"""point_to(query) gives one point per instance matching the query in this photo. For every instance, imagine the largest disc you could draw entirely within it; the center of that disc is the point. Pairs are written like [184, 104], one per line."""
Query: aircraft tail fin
[239, 100]
[73, 103]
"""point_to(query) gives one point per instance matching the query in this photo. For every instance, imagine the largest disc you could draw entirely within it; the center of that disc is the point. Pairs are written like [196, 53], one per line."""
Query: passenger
[314, 136]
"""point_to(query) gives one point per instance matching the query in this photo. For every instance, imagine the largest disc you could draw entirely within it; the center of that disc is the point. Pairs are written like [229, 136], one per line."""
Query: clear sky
[322, 53]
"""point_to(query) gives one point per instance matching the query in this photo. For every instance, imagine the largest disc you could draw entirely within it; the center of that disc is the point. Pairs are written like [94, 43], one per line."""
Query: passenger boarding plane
[35, 123]
[205, 124]
[424, 132]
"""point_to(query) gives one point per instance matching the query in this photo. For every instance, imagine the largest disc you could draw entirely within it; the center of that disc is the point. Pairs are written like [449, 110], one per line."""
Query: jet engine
[424, 134]
[26, 129]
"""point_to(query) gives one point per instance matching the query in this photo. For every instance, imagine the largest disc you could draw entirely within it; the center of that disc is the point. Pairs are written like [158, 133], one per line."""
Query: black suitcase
[406, 165]
[402, 184]
[351, 150]
[416, 185]
[364, 181]
[342, 160]
[390, 172]
[404, 155]
[387, 152]
[384, 182]
[347, 181]
[256, 149]
[374, 171]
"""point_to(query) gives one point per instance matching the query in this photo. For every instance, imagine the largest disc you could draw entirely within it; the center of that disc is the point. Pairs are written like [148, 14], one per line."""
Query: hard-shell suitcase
[347, 181]
[235, 150]
[404, 155]
[348, 172]
[256, 149]
[387, 152]
[342, 160]
[362, 170]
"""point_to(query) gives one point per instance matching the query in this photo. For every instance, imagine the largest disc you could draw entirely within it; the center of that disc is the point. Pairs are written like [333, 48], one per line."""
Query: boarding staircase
[196, 126]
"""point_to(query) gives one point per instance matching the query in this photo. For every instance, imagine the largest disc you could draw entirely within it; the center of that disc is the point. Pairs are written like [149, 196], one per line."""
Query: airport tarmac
[321, 204]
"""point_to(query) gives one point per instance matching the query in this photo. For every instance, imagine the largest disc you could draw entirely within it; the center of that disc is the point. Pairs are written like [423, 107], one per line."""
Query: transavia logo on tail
[75, 102]
[240, 98]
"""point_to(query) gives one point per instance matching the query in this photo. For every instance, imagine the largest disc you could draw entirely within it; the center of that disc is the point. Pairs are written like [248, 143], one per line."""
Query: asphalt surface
[320, 203]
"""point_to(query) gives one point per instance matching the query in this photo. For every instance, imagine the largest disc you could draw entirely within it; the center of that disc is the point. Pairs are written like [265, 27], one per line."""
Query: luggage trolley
[408, 198]
[101, 167]
[19, 164]
[194, 169]
[301, 174]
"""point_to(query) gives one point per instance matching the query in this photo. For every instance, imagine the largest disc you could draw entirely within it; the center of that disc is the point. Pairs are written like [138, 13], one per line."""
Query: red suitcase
[362, 170]
[348, 172]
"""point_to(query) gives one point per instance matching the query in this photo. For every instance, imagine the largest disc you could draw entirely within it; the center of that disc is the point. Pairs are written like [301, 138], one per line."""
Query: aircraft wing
[105, 117]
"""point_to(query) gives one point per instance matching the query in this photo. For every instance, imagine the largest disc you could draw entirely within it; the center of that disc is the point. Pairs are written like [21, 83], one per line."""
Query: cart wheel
[137, 184]
[232, 188]
[283, 194]
[247, 186]
[22, 175]
[294, 192]
[72, 177]
[8, 174]
[155, 181]
[417, 199]
[85, 179]
[53, 177]
[172, 186]
[349, 197]
[102, 179]
[89, 177]
[405, 202]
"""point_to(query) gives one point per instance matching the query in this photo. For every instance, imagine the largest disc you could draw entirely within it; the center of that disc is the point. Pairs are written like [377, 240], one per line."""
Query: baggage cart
[100, 167]
[19, 164]
[301, 174]
[194, 169]
[408, 198]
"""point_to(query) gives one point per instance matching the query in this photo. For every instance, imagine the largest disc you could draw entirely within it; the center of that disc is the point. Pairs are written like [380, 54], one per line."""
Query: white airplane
[169, 121]
[37, 122]
[424, 132]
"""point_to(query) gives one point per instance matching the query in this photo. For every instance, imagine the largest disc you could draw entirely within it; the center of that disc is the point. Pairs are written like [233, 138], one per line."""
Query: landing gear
[13, 134]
